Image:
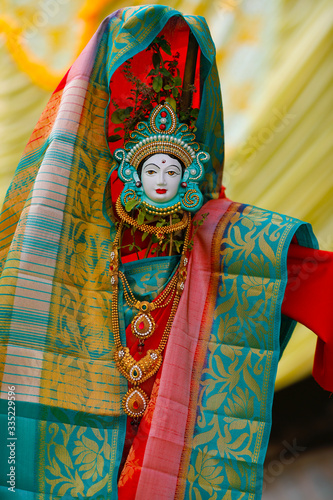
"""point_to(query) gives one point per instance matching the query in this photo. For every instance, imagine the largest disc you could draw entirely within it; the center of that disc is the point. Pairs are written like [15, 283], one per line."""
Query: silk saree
[209, 418]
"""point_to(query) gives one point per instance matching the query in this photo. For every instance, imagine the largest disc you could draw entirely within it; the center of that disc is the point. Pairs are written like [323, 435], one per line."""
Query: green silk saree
[211, 423]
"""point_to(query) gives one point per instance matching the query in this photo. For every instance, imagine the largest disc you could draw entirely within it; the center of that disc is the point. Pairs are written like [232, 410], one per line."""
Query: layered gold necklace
[160, 232]
[143, 325]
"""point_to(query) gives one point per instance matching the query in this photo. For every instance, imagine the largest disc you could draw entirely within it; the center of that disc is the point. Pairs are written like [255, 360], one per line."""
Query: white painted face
[160, 177]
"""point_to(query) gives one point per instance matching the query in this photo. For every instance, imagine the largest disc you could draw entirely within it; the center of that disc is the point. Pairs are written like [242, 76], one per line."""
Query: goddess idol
[142, 312]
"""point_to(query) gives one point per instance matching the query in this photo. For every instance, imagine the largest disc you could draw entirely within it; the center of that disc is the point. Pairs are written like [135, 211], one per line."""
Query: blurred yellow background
[275, 68]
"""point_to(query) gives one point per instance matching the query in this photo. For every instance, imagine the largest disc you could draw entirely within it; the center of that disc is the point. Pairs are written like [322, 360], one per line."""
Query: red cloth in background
[309, 300]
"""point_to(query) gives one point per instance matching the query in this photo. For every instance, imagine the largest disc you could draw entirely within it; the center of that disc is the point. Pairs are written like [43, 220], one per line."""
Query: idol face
[160, 177]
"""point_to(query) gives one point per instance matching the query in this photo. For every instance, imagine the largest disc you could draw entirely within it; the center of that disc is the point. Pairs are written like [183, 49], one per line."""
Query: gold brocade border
[200, 354]
[40, 465]
[271, 322]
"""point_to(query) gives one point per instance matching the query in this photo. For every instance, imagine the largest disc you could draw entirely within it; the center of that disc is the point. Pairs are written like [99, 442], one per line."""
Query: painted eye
[150, 172]
[171, 173]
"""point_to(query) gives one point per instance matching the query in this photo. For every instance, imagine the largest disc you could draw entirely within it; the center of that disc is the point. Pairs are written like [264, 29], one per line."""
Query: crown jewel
[162, 133]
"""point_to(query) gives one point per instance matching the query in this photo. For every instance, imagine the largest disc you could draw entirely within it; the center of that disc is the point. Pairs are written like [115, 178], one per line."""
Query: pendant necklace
[143, 325]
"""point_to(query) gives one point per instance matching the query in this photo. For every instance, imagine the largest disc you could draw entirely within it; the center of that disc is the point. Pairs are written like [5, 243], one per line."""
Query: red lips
[161, 191]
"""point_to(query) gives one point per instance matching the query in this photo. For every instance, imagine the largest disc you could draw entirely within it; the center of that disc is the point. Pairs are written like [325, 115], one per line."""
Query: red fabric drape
[309, 299]
[135, 441]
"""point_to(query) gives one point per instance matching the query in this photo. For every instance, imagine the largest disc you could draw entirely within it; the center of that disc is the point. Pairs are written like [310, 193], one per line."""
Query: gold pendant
[137, 372]
[135, 402]
[143, 325]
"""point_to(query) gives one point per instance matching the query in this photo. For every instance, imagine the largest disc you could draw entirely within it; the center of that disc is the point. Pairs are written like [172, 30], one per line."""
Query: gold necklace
[160, 232]
[136, 372]
[143, 324]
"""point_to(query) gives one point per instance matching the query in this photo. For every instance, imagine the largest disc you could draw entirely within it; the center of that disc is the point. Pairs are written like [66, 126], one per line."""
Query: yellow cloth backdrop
[276, 69]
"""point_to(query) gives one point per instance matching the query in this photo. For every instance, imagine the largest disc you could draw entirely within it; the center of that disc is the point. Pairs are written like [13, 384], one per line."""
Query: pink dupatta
[171, 423]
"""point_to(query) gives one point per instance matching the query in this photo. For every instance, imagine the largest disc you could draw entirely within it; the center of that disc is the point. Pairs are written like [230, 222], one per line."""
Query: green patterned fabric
[147, 279]
[55, 306]
[235, 394]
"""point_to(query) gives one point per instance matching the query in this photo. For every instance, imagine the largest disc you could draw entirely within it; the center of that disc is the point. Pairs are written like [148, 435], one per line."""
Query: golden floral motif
[81, 472]
[131, 465]
[240, 405]
[233, 389]
[207, 473]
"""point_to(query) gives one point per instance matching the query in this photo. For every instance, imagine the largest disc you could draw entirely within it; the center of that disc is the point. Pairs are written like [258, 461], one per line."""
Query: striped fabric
[55, 305]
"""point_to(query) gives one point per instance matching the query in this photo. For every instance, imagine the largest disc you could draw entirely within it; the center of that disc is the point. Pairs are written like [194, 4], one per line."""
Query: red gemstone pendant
[143, 325]
[135, 402]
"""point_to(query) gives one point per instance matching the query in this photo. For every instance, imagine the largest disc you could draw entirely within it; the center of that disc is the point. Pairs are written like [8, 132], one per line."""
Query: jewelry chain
[135, 401]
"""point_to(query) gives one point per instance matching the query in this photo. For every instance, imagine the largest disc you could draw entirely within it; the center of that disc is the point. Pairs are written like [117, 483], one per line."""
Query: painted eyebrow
[151, 165]
[144, 168]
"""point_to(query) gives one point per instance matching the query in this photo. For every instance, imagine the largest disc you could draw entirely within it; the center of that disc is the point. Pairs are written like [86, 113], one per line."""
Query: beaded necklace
[143, 325]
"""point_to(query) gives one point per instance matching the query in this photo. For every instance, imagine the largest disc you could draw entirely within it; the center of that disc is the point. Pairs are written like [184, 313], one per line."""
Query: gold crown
[161, 134]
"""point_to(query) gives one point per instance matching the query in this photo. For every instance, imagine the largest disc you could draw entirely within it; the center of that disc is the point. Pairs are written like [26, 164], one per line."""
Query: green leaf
[128, 111]
[141, 218]
[152, 72]
[114, 138]
[120, 115]
[168, 87]
[115, 117]
[165, 46]
[131, 204]
[157, 83]
[165, 72]
[178, 81]
[156, 60]
[150, 217]
[178, 245]
[172, 103]
[144, 236]
[175, 93]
